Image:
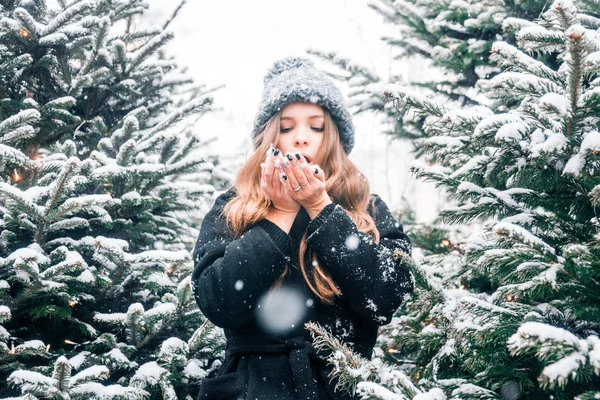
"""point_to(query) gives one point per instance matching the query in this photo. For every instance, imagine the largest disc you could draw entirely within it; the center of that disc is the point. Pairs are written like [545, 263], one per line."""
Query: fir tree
[523, 318]
[99, 191]
[449, 42]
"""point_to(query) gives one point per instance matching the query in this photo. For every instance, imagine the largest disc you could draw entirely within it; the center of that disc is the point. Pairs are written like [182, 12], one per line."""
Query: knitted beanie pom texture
[295, 79]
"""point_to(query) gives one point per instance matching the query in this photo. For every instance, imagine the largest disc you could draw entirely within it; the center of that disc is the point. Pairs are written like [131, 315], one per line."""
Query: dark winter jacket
[269, 352]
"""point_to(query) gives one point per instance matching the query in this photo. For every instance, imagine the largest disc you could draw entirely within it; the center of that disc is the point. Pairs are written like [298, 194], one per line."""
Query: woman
[299, 238]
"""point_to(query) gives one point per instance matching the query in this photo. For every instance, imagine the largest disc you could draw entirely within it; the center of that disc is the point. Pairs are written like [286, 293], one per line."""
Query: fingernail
[286, 163]
[316, 170]
[284, 176]
[289, 156]
[276, 152]
[297, 155]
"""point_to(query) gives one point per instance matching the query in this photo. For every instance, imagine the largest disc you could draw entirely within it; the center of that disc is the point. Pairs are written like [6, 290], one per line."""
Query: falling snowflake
[239, 285]
[352, 242]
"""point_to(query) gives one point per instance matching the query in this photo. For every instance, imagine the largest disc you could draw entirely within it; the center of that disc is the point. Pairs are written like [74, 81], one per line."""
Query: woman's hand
[306, 184]
[272, 181]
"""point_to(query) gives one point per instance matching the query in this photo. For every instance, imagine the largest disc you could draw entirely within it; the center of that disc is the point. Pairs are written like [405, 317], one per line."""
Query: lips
[307, 158]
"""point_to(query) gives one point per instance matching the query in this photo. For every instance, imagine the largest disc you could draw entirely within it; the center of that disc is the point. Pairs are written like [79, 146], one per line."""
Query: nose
[302, 138]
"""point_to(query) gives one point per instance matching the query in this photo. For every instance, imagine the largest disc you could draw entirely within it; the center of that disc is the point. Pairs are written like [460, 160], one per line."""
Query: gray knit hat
[295, 79]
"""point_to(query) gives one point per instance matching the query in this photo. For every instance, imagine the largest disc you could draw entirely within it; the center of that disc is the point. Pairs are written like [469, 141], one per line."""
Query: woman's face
[301, 130]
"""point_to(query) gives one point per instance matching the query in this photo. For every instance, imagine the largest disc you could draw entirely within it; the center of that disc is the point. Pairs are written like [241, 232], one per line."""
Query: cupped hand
[272, 182]
[306, 183]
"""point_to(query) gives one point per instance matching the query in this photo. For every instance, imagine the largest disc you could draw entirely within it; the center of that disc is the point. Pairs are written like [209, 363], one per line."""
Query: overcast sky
[235, 42]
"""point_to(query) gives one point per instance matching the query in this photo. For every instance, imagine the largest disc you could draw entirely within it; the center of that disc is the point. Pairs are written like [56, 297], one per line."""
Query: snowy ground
[235, 42]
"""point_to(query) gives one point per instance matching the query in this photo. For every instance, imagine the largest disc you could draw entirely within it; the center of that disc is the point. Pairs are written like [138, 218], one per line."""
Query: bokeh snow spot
[281, 310]
[239, 285]
[352, 242]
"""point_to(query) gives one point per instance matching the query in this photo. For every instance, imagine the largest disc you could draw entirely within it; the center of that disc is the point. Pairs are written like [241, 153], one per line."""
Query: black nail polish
[297, 156]
[289, 156]
[276, 152]
[316, 170]
[284, 177]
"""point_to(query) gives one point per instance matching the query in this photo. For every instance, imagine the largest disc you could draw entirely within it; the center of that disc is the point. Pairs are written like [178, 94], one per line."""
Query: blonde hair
[346, 186]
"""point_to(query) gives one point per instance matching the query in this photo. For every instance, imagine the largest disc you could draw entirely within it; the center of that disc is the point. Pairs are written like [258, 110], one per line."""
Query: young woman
[299, 238]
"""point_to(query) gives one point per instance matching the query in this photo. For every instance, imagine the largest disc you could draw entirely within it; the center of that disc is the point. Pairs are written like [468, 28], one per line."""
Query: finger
[274, 178]
[318, 173]
[284, 187]
[299, 168]
[291, 172]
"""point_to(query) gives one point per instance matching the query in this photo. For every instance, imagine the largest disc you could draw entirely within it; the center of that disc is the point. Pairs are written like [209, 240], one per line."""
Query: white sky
[235, 42]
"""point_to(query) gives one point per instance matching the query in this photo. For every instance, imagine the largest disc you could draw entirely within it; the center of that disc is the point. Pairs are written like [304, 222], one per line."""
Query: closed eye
[318, 129]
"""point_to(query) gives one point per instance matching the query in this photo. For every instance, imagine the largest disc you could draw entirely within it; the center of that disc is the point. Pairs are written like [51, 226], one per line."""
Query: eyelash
[285, 130]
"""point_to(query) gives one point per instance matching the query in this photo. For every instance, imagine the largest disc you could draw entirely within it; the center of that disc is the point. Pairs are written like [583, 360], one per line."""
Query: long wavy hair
[345, 186]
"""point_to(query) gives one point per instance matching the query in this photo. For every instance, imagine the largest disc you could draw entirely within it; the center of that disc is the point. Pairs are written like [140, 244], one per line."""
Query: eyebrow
[311, 117]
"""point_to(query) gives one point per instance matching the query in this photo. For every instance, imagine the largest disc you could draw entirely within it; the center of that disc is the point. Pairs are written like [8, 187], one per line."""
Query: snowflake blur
[281, 310]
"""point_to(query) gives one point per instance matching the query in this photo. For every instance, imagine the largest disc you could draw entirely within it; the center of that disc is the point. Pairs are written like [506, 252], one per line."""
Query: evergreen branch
[75, 204]
[23, 202]
[150, 138]
[69, 167]
[28, 22]
[174, 14]
[564, 11]
[506, 55]
[68, 15]
[149, 48]
[98, 44]
[518, 85]
[70, 265]
[26, 117]
[345, 64]
[575, 34]
[403, 98]
[541, 40]
[61, 374]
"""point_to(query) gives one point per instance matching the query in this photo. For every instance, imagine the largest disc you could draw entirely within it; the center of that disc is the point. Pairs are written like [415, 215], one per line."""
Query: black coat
[269, 352]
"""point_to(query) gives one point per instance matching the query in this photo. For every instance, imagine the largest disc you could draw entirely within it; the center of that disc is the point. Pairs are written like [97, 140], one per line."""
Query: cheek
[283, 143]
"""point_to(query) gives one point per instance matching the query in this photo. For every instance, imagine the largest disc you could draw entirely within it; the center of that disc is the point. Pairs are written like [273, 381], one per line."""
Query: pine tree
[99, 193]
[447, 45]
[523, 318]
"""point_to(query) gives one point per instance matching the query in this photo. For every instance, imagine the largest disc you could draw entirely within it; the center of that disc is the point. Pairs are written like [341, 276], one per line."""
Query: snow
[512, 131]
[173, 345]
[544, 332]
[524, 235]
[4, 313]
[433, 394]
[352, 242]
[118, 356]
[560, 371]
[194, 370]
[239, 285]
[281, 310]
[556, 101]
[554, 142]
[86, 276]
[493, 122]
[591, 142]
[95, 372]
[594, 353]
[162, 309]
[23, 378]
[148, 373]
[575, 165]
[111, 318]
[32, 345]
[77, 360]
[101, 392]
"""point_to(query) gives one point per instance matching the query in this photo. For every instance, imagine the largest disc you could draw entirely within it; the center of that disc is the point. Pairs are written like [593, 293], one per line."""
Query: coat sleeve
[231, 273]
[369, 275]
